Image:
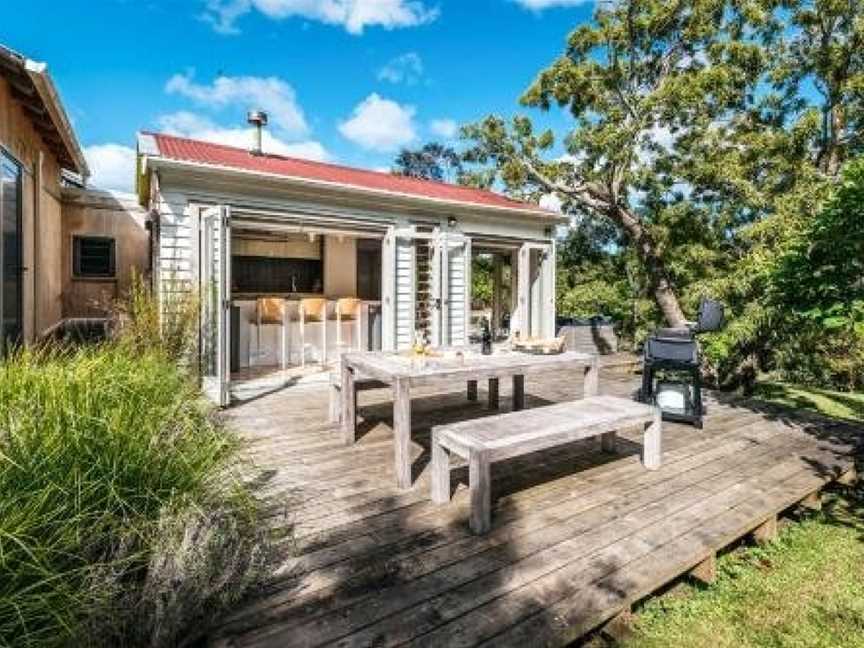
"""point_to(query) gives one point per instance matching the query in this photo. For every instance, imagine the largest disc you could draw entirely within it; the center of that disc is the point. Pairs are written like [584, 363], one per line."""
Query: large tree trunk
[830, 156]
[652, 263]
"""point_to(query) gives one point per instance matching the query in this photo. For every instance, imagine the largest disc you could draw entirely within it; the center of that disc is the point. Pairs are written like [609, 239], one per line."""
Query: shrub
[143, 323]
[122, 518]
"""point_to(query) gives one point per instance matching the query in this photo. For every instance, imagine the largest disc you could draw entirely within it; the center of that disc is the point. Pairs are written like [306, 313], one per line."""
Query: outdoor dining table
[403, 373]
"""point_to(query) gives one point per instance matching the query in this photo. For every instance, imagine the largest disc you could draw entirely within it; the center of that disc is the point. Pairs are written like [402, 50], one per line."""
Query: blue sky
[348, 81]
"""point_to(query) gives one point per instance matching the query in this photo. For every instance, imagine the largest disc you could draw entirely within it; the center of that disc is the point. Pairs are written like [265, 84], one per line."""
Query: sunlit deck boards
[576, 536]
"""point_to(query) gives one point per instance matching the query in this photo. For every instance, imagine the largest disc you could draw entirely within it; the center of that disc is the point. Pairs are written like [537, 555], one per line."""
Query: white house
[250, 230]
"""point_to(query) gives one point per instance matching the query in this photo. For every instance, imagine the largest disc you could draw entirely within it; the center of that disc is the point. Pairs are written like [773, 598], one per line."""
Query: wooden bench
[360, 384]
[484, 441]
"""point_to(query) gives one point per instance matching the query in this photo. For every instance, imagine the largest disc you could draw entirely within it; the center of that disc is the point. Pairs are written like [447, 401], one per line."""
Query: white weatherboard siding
[404, 292]
[178, 248]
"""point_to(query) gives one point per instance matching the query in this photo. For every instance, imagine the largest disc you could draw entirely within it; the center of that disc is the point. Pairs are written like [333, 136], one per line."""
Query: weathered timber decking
[577, 534]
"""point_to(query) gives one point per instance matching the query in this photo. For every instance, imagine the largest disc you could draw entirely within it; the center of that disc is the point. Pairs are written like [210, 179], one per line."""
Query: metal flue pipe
[257, 119]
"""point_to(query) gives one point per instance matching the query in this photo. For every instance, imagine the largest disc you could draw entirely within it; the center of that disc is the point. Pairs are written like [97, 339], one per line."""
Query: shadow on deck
[577, 536]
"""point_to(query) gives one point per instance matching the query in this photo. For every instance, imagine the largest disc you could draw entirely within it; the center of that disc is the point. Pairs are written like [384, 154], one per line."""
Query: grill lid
[676, 348]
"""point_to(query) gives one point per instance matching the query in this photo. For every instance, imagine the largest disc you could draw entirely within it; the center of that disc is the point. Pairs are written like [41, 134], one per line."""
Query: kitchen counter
[253, 347]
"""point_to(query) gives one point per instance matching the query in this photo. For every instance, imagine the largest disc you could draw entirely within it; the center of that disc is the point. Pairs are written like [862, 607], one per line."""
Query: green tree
[431, 162]
[767, 171]
[641, 78]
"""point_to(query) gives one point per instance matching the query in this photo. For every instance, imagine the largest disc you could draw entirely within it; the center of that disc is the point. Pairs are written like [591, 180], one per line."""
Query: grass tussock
[123, 520]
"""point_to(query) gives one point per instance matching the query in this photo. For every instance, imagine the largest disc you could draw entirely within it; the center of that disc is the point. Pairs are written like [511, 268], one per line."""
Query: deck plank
[367, 564]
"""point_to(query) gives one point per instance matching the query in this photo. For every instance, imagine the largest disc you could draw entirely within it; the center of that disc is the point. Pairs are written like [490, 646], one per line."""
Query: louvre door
[451, 289]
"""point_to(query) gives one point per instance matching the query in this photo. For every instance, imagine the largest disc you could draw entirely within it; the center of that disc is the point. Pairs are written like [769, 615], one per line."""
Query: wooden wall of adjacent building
[42, 280]
[109, 215]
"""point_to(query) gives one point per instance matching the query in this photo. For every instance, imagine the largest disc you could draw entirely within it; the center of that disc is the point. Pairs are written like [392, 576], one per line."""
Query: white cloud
[407, 68]
[446, 128]
[270, 94]
[380, 124]
[353, 15]
[540, 5]
[112, 166]
[551, 202]
[194, 126]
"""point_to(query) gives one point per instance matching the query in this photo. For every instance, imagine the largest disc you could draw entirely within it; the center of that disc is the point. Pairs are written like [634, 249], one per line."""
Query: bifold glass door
[426, 287]
[215, 290]
[11, 270]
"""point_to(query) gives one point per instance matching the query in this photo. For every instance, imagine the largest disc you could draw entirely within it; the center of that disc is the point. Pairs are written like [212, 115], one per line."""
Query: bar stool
[349, 309]
[269, 311]
[313, 309]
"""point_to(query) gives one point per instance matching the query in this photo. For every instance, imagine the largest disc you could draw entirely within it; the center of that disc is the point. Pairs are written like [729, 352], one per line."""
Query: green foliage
[110, 464]
[707, 137]
[481, 280]
[431, 162]
[143, 324]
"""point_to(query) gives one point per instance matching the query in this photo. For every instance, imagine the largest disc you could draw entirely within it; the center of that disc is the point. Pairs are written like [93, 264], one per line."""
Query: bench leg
[440, 472]
[479, 486]
[609, 441]
[652, 444]
[518, 393]
[493, 393]
[472, 390]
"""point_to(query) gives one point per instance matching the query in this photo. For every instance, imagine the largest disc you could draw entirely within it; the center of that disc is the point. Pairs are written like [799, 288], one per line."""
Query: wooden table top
[389, 366]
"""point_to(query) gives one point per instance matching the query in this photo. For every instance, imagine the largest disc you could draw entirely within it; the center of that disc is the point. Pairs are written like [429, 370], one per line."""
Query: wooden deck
[577, 535]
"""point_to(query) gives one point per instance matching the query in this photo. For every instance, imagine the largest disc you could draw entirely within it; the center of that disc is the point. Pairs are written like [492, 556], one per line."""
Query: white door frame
[216, 226]
[546, 287]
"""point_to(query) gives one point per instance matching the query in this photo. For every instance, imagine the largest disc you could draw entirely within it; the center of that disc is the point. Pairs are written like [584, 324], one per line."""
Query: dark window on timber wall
[93, 256]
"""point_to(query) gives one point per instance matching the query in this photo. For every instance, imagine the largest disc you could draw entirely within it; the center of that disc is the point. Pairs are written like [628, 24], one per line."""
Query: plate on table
[552, 346]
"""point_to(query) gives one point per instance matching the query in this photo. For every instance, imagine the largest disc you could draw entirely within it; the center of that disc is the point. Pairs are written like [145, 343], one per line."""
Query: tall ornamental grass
[122, 519]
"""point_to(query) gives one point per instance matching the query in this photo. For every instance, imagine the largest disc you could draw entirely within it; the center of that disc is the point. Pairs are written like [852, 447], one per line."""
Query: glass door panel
[11, 307]
[215, 290]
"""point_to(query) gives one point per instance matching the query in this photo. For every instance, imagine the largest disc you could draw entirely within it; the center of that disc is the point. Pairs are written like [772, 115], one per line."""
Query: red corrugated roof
[179, 148]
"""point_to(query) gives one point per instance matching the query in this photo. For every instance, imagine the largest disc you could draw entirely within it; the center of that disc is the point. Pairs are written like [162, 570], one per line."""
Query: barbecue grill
[673, 353]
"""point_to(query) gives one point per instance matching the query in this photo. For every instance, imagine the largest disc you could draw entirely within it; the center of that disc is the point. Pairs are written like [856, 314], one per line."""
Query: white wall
[293, 247]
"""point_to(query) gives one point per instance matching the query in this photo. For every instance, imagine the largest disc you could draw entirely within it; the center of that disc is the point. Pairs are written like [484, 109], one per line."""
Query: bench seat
[484, 441]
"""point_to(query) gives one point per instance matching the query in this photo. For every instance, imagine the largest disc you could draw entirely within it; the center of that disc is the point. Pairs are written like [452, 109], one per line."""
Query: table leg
[592, 379]
[609, 441]
[493, 393]
[402, 433]
[472, 390]
[335, 410]
[349, 405]
[518, 393]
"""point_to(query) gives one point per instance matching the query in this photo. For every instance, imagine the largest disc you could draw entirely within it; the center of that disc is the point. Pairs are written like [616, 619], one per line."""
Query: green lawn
[846, 405]
[806, 589]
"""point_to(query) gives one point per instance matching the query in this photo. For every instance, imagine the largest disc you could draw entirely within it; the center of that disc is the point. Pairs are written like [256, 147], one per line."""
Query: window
[369, 269]
[93, 256]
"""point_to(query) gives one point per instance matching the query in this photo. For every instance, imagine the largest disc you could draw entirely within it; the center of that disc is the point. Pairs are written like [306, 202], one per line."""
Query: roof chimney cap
[256, 118]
